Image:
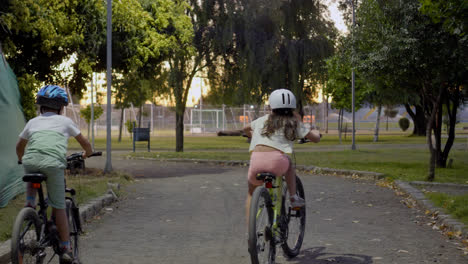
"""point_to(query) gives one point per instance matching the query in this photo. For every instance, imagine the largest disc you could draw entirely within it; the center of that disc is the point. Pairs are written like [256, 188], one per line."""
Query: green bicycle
[273, 221]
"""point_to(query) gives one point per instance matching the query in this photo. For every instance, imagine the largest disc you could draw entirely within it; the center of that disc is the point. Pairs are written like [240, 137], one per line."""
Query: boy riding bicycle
[273, 137]
[45, 139]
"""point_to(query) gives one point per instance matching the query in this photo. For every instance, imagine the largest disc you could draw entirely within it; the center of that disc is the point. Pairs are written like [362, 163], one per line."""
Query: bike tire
[261, 241]
[73, 226]
[293, 222]
[25, 246]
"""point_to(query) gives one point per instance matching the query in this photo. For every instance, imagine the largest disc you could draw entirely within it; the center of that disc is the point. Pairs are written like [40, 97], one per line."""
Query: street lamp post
[353, 146]
[108, 167]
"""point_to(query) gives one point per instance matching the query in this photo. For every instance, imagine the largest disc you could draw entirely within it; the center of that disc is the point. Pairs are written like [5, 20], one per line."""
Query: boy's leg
[56, 193]
[30, 191]
[62, 224]
[30, 195]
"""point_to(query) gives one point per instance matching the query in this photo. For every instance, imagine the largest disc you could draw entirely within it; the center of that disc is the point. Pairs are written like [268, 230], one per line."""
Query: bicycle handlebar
[79, 155]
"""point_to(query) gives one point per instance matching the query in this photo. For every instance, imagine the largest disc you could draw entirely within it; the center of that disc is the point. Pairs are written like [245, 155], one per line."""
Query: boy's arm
[20, 146]
[314, 136]
[84, 143]
[247, 131]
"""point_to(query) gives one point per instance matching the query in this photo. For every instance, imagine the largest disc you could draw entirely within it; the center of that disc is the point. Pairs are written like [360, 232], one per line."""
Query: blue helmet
[52, 96]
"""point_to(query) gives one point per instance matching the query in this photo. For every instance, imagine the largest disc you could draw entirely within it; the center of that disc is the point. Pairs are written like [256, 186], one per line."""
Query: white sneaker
[296, 201]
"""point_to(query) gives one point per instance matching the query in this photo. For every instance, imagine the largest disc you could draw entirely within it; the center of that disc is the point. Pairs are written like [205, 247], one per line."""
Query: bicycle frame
[276, 195]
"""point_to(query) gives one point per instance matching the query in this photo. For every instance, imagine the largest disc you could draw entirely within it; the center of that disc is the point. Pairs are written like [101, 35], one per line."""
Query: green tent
[12, 123]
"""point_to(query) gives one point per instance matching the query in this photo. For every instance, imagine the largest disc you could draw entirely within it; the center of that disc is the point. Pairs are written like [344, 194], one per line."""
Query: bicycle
[272, 220]
[33, 233]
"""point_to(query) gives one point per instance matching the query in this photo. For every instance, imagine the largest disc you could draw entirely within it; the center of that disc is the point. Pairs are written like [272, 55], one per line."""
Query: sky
[336, 15]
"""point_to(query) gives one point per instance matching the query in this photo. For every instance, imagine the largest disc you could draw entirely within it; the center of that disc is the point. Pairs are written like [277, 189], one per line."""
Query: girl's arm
[84, 143]
[20, 146]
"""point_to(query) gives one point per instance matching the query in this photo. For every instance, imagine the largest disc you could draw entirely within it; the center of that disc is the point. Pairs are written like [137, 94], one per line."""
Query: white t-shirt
[277, 140]
[52, 122]
[47, 137]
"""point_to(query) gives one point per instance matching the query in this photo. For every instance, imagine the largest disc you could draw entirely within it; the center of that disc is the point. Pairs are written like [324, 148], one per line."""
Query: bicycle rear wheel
[293, 222]
[73, 227]
[261, 242]
[25, 246]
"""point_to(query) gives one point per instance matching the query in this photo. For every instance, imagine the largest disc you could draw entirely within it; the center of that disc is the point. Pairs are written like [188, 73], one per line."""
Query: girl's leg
[291, 177]
[248, 200]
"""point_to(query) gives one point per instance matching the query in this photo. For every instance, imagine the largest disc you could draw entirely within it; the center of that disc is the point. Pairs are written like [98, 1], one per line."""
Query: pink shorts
[273, 161]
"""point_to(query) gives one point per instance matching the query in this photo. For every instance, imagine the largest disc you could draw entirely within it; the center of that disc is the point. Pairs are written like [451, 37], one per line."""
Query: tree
[339, 81]
[265, 45]
[451, 13]
[86, 114]
[176, 79]
[37, 36]
[390, 112]
[419, 59]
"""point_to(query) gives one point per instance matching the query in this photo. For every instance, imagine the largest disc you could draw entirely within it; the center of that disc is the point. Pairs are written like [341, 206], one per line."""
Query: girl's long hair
[281, 118]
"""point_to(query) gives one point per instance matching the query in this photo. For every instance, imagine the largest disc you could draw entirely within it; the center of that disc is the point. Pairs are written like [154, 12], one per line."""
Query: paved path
[191, 213]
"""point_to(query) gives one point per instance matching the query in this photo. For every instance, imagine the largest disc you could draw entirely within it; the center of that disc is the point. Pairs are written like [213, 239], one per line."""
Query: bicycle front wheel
[293, 222]
[25, 246]
[261, 242]
[73, 227]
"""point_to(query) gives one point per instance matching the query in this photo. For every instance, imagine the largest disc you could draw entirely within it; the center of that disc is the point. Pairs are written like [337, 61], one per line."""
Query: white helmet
[282, 98]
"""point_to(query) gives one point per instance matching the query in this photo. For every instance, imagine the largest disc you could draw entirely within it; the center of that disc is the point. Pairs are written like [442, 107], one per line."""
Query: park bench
[141, 134]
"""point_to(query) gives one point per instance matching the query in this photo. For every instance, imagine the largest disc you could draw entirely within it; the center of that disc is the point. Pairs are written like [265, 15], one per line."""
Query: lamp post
[353, 146]
[108, 167]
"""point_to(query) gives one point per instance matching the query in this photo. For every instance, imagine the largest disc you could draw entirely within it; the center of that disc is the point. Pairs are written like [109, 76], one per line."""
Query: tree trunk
[121, 124]
[340, 124]
[419, 120]
[440, 162]
[387, 124]
[139, 115]
[377, 124]
[430, 123]
[432, 156]
[452, 109]
[326, 115]
[179, 131]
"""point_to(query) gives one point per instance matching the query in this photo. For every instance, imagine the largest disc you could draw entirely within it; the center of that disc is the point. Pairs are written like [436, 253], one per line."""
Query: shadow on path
[317, 255]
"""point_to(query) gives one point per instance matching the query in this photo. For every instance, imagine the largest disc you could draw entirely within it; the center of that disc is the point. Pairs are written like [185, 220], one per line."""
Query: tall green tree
[182, 63]
[37, 36]
[266, 45]
[419, 59]
[451, 13]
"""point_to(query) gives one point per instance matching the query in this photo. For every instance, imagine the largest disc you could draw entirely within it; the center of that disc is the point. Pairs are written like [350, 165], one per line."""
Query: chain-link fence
[210, 119]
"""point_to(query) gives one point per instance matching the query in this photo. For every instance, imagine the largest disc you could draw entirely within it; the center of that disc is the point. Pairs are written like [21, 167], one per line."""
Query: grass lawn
[402, 164]
[167, 143]
[456, 205]
[87, 187]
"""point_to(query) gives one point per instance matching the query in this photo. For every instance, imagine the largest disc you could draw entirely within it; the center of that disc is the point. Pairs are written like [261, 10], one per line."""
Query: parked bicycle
[34, 232]
[272, 220]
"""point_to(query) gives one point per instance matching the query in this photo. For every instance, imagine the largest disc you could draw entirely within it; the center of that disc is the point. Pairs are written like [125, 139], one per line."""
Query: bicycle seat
[265, 175]
[34, 177]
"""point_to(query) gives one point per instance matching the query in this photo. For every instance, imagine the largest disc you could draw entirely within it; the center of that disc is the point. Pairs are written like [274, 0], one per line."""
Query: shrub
[129, 125]
[404, 123]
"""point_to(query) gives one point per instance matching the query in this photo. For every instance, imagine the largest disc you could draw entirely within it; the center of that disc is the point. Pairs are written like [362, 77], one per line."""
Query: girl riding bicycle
[46, 138]
[273, 137]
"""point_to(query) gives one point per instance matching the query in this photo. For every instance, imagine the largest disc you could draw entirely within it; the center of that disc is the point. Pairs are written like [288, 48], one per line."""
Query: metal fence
[210, 119]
